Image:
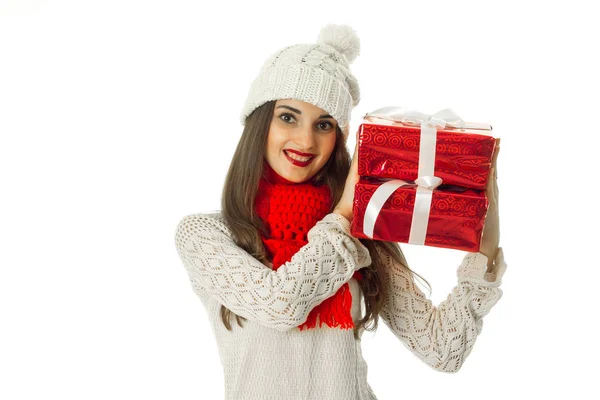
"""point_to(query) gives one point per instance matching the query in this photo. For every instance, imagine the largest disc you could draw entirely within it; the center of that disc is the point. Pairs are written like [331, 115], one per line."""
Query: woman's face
[301, 127]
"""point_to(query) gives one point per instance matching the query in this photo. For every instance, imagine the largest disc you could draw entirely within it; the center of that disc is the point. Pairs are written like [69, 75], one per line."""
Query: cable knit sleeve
[280, 299]
[443, 336]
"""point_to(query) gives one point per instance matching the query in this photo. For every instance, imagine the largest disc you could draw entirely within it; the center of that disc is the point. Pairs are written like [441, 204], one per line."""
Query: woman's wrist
[348, 216]
[491, 256]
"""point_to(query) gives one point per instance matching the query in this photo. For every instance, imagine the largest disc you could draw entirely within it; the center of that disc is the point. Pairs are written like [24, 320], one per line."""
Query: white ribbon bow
[412, 117]
[426, 181]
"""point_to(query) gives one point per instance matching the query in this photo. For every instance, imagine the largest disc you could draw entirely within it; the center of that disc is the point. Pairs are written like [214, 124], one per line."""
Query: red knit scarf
[289, 210]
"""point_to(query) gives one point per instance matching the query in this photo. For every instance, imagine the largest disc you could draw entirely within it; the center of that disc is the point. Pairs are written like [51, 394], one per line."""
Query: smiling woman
[301, 139]
[278, 270]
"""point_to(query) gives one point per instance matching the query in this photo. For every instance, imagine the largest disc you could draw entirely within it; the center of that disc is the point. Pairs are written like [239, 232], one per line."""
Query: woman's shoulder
[214, 214]
[202, 221]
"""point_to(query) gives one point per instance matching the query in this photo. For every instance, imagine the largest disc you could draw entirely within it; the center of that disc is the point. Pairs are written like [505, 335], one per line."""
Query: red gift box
[390, 149]
[455, 220]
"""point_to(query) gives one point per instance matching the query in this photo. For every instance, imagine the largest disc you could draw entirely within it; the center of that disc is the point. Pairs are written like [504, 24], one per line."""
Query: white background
[118, 118]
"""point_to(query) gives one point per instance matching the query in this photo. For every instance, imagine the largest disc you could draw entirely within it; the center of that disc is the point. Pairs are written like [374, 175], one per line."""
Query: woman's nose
[306, 138]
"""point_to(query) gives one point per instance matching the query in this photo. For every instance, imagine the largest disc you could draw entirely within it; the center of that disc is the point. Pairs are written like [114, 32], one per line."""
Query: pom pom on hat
[342, 38]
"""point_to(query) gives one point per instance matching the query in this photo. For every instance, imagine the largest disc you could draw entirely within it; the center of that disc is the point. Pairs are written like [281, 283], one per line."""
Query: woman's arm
[442, 336]
[279, 299]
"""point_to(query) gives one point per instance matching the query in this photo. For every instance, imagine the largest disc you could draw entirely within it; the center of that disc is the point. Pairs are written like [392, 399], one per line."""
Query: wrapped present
[402, 144]
[421, 213]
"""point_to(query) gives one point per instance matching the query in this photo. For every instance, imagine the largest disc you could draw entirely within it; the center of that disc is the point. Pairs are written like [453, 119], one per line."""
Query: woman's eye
[328, 125]
[283, 117]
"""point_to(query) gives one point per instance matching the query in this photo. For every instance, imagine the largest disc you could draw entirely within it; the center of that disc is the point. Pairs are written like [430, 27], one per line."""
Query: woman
[278, 271]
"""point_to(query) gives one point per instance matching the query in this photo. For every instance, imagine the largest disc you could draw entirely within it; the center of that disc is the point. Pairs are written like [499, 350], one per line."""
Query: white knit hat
[318, 74]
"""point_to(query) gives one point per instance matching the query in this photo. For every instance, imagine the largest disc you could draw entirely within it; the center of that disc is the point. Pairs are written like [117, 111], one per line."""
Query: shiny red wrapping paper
[463, 156]
[456, 219]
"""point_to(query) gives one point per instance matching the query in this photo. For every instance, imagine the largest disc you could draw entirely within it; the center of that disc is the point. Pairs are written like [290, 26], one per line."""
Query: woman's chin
[298, 177]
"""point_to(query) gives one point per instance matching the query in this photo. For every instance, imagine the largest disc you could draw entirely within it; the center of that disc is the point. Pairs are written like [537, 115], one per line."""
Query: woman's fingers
[354, 165]
[495, 156]
[354, 157]
[492, 185]
[495, 180]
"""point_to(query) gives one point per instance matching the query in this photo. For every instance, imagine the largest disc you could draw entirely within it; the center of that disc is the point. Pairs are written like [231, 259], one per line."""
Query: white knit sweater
[270, 358]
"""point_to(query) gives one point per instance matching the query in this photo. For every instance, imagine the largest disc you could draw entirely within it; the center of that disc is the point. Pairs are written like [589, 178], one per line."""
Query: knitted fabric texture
[289, 210]
[316, 73]
[268, 358]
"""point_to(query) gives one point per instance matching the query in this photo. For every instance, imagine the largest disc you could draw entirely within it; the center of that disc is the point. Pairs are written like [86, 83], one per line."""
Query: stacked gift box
[422, 179]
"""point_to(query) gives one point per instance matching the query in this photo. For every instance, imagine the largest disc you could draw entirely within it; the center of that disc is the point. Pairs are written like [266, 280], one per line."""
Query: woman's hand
[490, 238]
[344, 206]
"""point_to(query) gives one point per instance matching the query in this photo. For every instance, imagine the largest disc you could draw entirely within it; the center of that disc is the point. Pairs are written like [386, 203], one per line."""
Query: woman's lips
[301, 154]
[298, 163]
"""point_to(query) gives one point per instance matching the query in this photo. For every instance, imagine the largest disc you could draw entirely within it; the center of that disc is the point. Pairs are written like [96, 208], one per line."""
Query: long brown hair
[237, 203]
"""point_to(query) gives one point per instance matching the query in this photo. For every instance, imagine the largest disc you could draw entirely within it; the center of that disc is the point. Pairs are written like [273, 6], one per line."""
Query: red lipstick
[298, 163]
[300, 153]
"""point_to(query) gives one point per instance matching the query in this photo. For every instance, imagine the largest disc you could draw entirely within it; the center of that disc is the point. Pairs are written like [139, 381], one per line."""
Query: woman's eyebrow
[300, 112]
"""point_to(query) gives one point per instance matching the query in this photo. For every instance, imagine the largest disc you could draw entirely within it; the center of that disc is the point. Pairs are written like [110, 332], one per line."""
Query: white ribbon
[426, 181]
[442, 118]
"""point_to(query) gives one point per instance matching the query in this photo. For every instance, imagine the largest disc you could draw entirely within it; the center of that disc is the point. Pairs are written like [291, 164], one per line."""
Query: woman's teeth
[297, 157]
